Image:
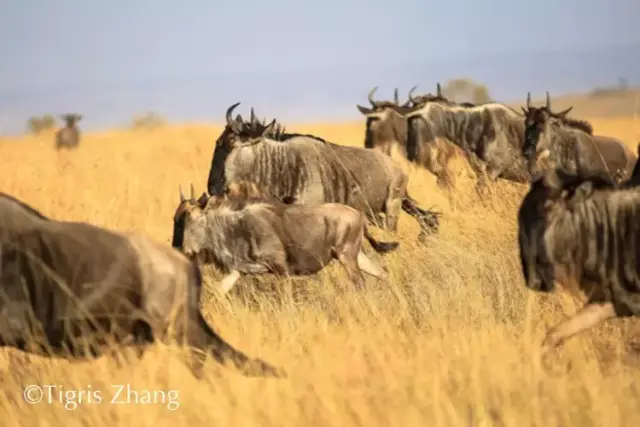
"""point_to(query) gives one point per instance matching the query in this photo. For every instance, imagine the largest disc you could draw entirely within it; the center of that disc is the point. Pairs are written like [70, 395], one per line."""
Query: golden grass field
[449, 343]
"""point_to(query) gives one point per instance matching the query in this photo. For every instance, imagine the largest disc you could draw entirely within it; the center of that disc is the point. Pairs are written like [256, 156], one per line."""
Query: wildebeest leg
[393, 204]
[200, 336]
[480, 169]
[369, 267]
[229, 281]
[428, 221]
[349, 261]
[587, 317]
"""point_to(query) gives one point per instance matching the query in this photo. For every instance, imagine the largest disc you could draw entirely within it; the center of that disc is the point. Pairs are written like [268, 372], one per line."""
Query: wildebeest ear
[364, 110]
[202, 200]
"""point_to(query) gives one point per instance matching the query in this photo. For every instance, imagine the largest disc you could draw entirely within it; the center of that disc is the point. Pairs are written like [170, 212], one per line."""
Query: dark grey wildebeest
[305, 169]
[385, 127]
[69, 288]
[247, 232]
[584, 232]
[491, 134]
[572, 145]
[69, 136]
[441, 157]
[634, 179]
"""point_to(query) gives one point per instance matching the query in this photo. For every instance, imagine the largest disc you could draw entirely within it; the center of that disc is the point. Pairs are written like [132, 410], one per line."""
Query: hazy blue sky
[295, 59]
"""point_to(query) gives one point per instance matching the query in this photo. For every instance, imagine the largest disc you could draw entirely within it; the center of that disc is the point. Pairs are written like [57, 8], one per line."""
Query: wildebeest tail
[380, 247]
[429, 220]
[223, 352]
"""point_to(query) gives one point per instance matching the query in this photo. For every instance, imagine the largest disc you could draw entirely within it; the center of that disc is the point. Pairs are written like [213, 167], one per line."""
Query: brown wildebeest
[16, 216]
[305, 169]
[62, 283]
[585, 231]
[244, 232]
[69, 136]
[572, 145]
[385, 127]
[490, 134]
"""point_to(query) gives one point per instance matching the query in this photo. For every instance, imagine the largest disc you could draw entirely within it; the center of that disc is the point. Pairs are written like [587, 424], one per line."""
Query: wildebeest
[441, 157]
[491, 134]
[385, 127]
[69, 136]
[306, 169]
[68, 288]
[572, 145]
[16, 216]
[584, 231]
[634, 179]
[244, 231]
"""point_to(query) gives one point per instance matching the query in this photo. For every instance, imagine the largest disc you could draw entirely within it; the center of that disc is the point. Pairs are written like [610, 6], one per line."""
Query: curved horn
[181, 193]
[528, 100]
[411, 98]
[396, 98]
[565, 112]
[193, 193]
[228, 115]
[548, 102]
[371, 92]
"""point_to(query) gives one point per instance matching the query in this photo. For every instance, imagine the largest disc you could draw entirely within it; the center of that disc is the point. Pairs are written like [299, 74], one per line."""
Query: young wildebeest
[244, 232]
[572, 145]
[385, 127]
[68, 288]
[585, 231]
[305, 169]
[490, 134]
[69, 136]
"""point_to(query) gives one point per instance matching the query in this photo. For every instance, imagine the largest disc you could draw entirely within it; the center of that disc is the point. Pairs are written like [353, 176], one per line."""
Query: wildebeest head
[236, 134]
[550, 195]
[417, 102]
[538, 133]
[184, 210]
[71, 119]
[383, 117]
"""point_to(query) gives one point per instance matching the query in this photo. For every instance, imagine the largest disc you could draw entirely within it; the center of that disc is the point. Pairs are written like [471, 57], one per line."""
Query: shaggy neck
[563, 144]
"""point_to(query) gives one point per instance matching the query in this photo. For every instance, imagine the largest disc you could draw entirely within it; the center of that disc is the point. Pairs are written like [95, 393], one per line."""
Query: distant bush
[38, 124]
[466, 90]
[147, 121]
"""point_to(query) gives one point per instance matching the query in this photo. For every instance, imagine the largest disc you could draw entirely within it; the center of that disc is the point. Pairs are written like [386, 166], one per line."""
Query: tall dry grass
[448, 343]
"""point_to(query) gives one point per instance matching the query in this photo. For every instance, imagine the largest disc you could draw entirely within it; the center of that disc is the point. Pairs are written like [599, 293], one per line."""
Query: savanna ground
[448, 343]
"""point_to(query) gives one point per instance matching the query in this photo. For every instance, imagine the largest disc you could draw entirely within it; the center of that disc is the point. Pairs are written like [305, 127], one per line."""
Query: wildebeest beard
[368, 138]
[537, 270]
[217, 175]
[417, 131]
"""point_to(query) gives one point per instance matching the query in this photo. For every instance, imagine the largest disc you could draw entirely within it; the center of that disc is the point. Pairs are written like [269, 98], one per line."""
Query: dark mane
[23, 205]
[582, 125]
[283, 136]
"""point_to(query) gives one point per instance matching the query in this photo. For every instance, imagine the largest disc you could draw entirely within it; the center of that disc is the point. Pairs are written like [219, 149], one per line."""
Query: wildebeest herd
[288, 204]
